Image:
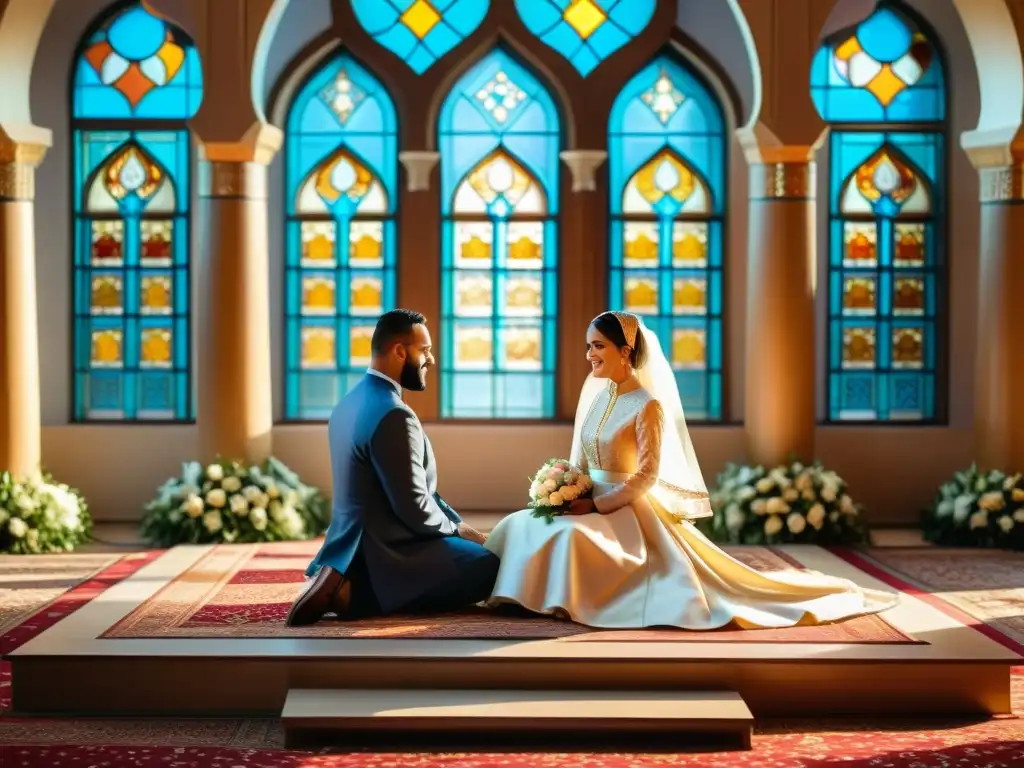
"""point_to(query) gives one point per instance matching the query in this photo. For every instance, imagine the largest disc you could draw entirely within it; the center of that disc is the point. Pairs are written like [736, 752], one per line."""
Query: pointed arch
[341, 176]
[499, 135]
[667, 150]
[135, 81]
[882, 86]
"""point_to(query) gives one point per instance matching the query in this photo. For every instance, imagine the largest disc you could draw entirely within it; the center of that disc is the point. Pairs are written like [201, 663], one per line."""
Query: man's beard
[413, 377]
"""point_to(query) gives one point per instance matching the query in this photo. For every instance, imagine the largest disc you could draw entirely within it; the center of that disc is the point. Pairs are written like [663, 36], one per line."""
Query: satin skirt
[639, 567]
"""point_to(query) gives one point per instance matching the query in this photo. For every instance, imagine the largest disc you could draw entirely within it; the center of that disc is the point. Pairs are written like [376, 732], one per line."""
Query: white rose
[945, 508]
[216, 498]
[231, 484]
[796, 522]
[776, 506]
[1019, 515]
[258, 518]
[746, 493]
[829, 491]
[962, 506]
[276, 511]
[1006, 523]
[549, 486]
[251, 493]
[193, 506]
[734, 517]
[846, 505]
[780, 478]
[212, 521]
[215, 472]
[1010, 483]
[992, 501]
[773, 525]
[804, 481]
[272, 490]
[291, 523]
[17, 527]
[979, 519]
[765, 484]
[791, 494]
[556, 499]
[535, 490]
[239, 505]
[816, 516]
[759, 507]
[261, 501]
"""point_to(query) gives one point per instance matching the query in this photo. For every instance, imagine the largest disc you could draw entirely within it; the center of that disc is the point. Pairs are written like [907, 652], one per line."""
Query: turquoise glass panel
[420, 31]
[499, 134]
[666, 248]
[341, 173]
[884, 70]
[586, 32]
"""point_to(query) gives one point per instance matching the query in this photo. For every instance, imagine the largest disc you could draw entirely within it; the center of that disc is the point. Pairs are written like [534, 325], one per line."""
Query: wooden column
[22, 148]
[780, 356]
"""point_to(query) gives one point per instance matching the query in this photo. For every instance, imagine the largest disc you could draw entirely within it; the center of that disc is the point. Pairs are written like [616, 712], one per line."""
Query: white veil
[680, 489]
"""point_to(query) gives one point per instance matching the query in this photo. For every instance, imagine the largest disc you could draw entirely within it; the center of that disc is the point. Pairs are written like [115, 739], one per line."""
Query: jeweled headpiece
[630, 325]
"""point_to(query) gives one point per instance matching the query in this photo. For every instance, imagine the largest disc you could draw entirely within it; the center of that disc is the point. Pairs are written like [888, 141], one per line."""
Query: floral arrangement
[977, 509]
[555, 486]
[230, 502]
[38, 516]
[791, 503]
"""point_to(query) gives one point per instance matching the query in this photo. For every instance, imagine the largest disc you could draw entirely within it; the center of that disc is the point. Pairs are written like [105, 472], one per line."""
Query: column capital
[583, 164]
[419, 164]
[259, 145]
[22, 149]
[238, 169]
[998, 157]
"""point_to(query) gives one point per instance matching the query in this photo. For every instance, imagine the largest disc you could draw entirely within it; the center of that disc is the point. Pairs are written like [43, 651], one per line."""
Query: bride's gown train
[637, 565]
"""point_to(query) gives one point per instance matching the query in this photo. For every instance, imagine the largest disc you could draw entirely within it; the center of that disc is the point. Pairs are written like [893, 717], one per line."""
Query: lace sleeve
[649, 427]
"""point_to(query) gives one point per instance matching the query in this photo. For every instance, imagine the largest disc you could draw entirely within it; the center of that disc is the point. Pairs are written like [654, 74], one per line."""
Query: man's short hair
[394, 326]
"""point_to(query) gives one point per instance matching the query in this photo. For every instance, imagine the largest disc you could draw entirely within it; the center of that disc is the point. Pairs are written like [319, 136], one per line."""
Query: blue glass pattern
[886, 274]
[341, 188]
[136, 81]
[586, 32]
[420, 31]
[499, 135]
[884, 70]
[666, 154]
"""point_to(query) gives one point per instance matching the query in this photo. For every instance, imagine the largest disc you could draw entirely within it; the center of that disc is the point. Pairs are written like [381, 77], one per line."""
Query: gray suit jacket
[385, 500]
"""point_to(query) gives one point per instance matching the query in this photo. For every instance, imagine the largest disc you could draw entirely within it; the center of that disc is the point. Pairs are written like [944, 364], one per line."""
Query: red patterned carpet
[908, 743]
[247, 590]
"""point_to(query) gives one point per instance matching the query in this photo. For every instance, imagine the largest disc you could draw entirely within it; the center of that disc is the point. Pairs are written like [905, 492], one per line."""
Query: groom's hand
[471, 534]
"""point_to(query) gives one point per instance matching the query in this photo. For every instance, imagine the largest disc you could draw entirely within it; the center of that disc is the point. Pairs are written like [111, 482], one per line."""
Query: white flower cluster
[794, 502]
[38, 515]
[980, 508]
[558, 483]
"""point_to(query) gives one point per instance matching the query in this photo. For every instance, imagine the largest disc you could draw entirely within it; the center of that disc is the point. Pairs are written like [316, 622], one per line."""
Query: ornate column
[22, 148]
[235, 411]
[999, 372]
[780, 337]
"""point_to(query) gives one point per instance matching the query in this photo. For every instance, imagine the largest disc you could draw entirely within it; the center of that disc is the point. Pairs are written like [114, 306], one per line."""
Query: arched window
[666, 152]
[499, 136]
[137, 80]
[881, 87]
[341, 171]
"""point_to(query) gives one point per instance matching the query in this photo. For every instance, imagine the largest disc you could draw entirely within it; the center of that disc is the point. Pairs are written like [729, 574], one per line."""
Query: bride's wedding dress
[638, 564]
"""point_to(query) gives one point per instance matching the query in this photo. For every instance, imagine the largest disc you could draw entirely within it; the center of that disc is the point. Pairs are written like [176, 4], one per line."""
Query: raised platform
[935, 663]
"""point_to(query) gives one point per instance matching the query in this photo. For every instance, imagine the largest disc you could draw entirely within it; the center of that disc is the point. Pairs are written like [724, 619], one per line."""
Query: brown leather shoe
[327, 592]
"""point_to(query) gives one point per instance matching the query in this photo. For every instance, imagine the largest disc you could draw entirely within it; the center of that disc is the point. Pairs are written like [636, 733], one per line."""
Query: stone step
[455, 716]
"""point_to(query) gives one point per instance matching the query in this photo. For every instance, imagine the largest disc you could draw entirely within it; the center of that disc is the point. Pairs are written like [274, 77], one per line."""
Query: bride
[630, 557]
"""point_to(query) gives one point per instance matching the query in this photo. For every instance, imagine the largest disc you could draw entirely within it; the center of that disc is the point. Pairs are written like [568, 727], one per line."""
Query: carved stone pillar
[780, 359]
[999, 373]
[21, 150]
[235, 412]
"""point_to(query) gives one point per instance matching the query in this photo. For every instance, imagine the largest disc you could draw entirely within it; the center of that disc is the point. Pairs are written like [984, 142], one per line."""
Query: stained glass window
[666, 154]
[586, 32]
[341, 168]
[136, 81]
[882, 87]
[499, 140]
[420, 31]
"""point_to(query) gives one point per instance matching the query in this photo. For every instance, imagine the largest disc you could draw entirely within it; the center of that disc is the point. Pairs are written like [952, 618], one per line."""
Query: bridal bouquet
[555, 486]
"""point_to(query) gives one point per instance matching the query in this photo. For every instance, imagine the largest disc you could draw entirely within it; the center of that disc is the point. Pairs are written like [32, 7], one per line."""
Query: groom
[393, 545]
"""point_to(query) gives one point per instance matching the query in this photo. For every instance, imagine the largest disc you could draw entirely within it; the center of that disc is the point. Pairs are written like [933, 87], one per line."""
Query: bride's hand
[581, 506]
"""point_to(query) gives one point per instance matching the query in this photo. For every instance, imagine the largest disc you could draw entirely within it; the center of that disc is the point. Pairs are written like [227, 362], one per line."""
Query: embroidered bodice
[622, 434]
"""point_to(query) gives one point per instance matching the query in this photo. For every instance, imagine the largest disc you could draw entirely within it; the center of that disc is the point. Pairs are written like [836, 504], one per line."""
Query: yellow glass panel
[318, 242]
[156, 241]
[156, 294]
[473, 242]
[155, 350]
[473, 295]
[664, 174]
[107, 348]
[689, 296]
[886, 86]
[318, 296]
[909, 245]
[859, 347]
[366, 242]
[523, 296]
[420, 18]
[642, 295]
[859, 248]
[885, 174]
[132, 170]
[859, 295]
[688, 348]
[524, 249]
[367, 296]
[845, 50]
[107, 241]
[689, 244]
[106, 295]
[343, 175]
[907, 348]
[909, 296]
[500, 174]
[584, 16]
[318, 348]
[641, 247]
[522, 348]
[360, 349]
[474, 348]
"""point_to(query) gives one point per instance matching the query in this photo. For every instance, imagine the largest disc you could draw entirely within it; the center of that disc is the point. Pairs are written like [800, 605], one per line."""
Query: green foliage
[977, 509]
[38, 515]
